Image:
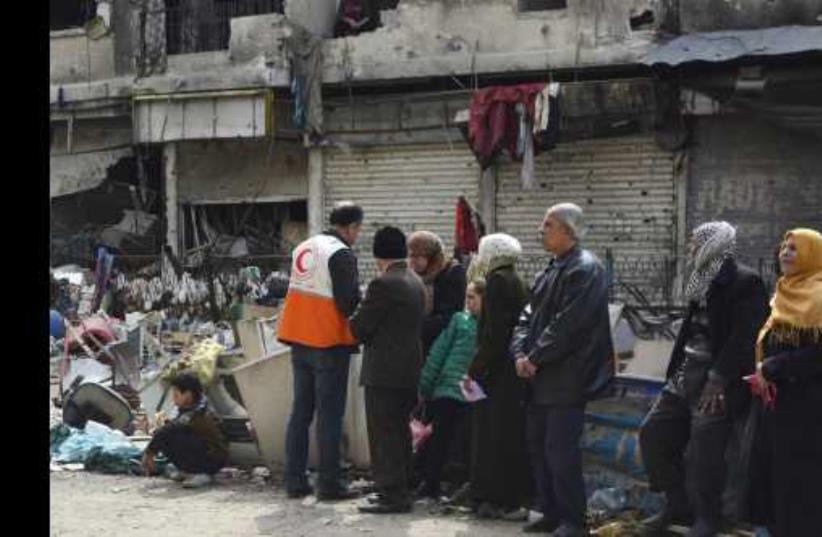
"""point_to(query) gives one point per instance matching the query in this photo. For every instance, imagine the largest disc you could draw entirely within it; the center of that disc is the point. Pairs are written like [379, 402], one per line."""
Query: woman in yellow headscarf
[789, 358]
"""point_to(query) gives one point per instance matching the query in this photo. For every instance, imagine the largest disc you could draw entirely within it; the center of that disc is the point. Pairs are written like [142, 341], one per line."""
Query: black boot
[676, 511]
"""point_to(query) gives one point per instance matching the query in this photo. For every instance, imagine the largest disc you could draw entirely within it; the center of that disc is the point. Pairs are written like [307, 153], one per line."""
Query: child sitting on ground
[192, 441]
[440, 385]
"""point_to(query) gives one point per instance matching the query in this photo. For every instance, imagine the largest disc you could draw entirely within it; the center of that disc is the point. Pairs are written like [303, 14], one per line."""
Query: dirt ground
[96, 505]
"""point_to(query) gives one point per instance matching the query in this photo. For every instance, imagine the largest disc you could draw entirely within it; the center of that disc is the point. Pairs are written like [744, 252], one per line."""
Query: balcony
[205, 25]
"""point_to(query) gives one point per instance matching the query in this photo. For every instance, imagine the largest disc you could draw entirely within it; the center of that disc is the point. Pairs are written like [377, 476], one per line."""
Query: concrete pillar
[316, 211]
[172, 205]
[488, 198]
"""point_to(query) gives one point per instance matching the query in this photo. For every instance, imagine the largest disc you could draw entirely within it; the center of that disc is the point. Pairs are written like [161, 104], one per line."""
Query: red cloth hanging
[494, 124]
[467, 237]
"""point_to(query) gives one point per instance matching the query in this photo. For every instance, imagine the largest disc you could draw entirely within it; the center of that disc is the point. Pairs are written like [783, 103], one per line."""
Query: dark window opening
[643, 20]
[65, 14]
[245, 229]
[205, 25]
[359, 16]
[541, 5]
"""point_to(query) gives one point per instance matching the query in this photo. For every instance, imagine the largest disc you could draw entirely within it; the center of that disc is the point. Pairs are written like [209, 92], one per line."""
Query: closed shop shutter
[626, 188]
[413, 187]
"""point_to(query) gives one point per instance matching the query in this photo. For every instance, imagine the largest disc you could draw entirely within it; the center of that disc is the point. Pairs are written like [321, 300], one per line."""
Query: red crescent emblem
[300, 261]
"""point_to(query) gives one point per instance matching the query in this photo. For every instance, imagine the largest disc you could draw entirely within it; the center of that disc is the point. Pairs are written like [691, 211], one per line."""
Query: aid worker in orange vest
[323, 293]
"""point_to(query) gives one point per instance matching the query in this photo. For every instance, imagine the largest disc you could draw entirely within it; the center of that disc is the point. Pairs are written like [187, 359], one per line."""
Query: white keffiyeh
[714, 242]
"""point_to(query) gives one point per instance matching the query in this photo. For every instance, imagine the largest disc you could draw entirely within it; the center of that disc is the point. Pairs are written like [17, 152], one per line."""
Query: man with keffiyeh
[704, 393]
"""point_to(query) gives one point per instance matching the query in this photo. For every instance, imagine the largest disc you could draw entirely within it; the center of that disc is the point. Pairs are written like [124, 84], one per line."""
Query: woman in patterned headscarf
[789, 357]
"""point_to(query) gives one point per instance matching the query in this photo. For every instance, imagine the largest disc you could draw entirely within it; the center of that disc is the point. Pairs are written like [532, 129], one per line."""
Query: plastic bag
[80, 444]
[420, 433]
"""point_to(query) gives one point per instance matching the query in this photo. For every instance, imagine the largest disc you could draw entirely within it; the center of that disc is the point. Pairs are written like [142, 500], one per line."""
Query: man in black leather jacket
[562, 344]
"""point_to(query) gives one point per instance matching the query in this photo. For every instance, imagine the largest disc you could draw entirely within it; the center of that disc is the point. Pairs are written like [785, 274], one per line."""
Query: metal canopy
[723, 46]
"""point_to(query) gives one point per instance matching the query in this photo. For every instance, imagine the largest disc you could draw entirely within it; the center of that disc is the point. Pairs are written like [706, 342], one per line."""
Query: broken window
[65, 14]
[205, 25]
[359, 16]
[244, 229]
[541, 5]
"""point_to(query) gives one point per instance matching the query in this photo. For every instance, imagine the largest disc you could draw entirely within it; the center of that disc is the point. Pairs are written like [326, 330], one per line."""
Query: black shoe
[385, 508]
[567, 530]
[705, 528]
[426, 491]
[657, 525]
[543, 525]
[336, 495]
[299, 493]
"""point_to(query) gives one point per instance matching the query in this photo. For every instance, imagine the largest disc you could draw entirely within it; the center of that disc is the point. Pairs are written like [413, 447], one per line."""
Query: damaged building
[233, 126]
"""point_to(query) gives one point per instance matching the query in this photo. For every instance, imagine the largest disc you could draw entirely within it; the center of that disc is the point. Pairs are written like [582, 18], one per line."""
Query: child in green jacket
[440, 384]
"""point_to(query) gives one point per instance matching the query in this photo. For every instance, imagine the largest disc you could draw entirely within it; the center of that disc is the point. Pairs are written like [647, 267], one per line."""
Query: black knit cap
[345, 214]
[389, 243]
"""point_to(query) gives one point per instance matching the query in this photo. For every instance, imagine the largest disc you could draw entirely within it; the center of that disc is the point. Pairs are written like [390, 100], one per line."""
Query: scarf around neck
[796, 307]
[714, 243]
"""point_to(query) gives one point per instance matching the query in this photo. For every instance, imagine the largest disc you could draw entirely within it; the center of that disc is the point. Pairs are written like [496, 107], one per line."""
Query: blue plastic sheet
[96, 443]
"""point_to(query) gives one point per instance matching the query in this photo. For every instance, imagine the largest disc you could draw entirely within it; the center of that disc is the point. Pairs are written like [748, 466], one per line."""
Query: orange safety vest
[310, 316]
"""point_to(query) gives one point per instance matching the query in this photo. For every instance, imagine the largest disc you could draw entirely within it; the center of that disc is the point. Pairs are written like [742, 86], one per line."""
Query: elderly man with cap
[704, 393]
[562, 344]
[388, 323]
[323, 292]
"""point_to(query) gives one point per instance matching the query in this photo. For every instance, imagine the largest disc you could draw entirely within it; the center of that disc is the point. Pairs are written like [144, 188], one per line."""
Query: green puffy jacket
[449, 359]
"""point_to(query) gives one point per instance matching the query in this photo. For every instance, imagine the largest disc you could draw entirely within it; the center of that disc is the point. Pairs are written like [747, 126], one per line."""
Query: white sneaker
[198, 481]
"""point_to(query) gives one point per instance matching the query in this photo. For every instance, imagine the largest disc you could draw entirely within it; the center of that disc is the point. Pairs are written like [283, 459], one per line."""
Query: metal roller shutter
[626, 188]
[413, 187]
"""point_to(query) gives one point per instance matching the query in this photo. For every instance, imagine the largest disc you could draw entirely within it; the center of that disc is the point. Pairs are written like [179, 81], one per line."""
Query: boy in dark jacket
[193, 441]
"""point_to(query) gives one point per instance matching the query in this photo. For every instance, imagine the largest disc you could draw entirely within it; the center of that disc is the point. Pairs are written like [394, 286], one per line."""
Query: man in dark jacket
[563, 345]
[705, 392]
[323, 292]
[388, 323]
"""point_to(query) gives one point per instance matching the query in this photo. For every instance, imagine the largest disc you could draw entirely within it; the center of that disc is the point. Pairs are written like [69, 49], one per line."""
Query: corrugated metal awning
[76, 172]
[723, 46]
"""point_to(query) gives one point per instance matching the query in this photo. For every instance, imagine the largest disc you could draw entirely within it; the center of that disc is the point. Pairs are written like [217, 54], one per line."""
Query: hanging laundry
[467, 232]
[305, 51]
[494, 124]
[546, 118]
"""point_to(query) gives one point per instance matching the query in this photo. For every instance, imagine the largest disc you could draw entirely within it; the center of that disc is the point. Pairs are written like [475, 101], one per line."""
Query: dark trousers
[446, 416]
[554, 434]
[186, 450]
[321, 384]
[387, 413]
[670, 427]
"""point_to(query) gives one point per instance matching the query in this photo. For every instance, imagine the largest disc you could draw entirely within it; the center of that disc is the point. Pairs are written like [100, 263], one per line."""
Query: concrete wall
[429, 38]
[233, 171]
[713, 15]
[760, 177]
[91, 135]
[316, 16]
[75, 58]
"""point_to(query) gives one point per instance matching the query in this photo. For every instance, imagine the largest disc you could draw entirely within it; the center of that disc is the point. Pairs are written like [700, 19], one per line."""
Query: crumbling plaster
[713, 15]
[435, 38]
